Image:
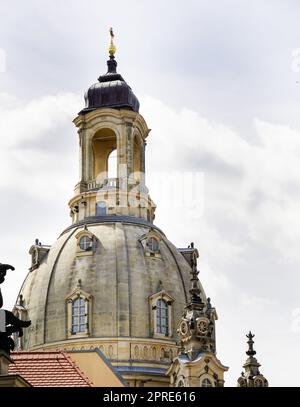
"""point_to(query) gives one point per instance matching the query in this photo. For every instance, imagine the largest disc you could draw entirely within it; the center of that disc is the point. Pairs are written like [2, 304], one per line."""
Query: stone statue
[9, 323]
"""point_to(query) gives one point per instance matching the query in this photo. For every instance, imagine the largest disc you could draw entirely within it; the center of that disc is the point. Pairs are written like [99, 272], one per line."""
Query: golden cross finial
[112, 47]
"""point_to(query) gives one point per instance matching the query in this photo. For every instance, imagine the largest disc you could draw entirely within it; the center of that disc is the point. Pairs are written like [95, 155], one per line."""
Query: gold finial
[112, 47]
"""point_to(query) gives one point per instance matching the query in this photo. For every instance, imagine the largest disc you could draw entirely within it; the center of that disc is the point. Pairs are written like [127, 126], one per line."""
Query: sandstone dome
[112, 280]
[119, 277]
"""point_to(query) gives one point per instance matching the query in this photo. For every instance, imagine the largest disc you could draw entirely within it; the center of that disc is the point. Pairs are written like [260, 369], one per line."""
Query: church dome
[111, 91]
[120, 275]
[112, 280]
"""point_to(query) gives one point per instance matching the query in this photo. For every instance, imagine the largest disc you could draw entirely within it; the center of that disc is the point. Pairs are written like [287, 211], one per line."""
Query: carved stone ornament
[202, 326]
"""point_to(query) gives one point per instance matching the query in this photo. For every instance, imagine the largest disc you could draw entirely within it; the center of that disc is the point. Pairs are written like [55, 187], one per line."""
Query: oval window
[85, 243]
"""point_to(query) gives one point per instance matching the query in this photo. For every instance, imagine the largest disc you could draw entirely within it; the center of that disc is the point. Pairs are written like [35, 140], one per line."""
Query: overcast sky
[219, 87]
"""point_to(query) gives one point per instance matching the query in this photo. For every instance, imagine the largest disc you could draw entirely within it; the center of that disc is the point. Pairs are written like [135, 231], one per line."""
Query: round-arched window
[206, 383]
[85, 243]
[79, 315]
[162, 317]
[112, 164]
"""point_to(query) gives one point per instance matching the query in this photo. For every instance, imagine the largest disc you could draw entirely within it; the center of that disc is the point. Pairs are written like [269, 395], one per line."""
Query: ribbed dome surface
[119, 277]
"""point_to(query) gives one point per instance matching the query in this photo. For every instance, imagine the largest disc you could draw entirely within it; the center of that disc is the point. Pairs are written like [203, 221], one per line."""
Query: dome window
[79, 316]
[85, 243]
[79, 312]
[152, 244]
[162, 317]
[161, 321]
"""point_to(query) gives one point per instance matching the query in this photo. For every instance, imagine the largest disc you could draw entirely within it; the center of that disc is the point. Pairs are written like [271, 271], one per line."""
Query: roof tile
[48, 369]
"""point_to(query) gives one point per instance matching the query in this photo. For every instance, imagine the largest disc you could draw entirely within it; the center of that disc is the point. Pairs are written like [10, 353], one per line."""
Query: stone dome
[111, 91]
[112, 280]
[119, 277]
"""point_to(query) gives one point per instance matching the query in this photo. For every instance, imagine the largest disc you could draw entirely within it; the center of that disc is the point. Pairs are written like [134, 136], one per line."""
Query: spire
[252, 376]
[111, 90]
[250, 352]
[197, 326]
[195, 292]
[112, 63]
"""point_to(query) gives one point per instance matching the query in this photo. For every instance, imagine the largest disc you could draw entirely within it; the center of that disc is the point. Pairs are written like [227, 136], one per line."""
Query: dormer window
[38, 253]
[86, 243]
[152, 244]
[34, 257]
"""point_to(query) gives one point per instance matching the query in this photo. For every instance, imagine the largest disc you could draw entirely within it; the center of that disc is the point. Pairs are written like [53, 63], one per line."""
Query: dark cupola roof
[111, 90]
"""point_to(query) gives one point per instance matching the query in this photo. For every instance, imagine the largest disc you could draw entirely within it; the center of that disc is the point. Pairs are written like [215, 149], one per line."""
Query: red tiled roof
[48, 369]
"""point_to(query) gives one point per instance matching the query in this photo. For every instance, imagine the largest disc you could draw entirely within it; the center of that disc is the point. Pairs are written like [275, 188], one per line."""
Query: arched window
[152, 244]
[137, 158]
[206, 383]
[79, 313]
[79, 316]
[101, 208]
[162, 317]
[112, 164]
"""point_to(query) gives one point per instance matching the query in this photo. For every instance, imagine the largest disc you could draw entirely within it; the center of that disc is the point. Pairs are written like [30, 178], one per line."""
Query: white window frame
[79, 236]
[153, 299]
[78, 293]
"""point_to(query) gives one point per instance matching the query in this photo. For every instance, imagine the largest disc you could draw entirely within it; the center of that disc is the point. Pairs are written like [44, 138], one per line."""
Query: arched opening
[104, 145]
[112, 164]
[137, 158]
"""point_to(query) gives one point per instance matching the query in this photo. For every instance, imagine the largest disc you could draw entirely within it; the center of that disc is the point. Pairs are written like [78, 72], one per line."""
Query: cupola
[111, 90]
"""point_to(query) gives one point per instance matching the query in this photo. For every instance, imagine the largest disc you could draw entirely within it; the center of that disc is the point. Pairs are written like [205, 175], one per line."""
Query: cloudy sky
[219, 85]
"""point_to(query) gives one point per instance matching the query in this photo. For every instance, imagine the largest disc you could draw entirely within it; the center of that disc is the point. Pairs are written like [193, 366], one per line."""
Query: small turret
[197, 364]
[252, 376]
[197, 326]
